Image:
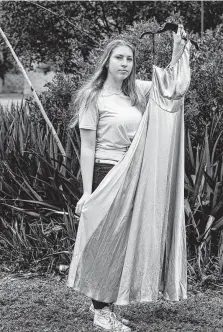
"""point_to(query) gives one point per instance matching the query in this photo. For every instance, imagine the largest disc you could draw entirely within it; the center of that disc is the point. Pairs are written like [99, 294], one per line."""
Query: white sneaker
[108, 321]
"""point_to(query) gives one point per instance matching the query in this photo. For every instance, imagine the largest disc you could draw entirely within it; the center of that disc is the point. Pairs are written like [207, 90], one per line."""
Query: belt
[106, 161]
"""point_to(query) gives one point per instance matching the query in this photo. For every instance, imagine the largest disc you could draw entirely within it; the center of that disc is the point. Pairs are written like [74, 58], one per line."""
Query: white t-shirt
[116, 122]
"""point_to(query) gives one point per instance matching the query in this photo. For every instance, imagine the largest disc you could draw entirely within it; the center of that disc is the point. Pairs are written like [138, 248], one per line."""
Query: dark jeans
[100, 170]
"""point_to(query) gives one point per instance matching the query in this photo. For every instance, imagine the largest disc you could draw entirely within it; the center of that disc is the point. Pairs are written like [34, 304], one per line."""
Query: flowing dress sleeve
[171, 84]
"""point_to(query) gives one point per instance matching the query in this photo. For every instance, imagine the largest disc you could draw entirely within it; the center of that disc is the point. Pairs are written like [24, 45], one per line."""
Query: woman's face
[120, 62]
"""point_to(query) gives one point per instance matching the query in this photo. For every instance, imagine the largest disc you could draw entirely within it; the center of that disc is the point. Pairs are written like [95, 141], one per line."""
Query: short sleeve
[88, 118]
[144, 86]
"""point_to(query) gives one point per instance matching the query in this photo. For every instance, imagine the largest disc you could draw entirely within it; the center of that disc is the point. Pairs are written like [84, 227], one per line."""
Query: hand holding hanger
[177, 28]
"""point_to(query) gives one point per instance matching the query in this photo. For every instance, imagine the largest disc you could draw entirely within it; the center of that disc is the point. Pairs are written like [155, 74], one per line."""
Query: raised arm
[170, 84]
[178, 45]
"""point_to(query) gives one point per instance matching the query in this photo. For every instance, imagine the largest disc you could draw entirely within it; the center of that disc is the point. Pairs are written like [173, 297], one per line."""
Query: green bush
[205, 97]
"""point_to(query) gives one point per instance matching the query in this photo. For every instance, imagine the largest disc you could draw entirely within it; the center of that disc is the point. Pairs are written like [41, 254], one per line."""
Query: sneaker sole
[104, 328]
[101, 327]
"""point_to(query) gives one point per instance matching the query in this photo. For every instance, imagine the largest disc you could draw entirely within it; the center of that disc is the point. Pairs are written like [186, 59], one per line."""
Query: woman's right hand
[81, 202]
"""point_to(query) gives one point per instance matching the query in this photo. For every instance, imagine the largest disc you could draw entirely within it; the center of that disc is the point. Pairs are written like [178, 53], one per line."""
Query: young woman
[113, 125]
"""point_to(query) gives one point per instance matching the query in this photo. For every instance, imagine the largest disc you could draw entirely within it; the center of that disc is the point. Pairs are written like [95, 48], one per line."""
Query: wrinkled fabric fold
[131, 240]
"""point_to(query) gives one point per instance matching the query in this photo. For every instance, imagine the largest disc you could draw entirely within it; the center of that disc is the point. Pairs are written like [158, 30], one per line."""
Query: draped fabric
[131, 239]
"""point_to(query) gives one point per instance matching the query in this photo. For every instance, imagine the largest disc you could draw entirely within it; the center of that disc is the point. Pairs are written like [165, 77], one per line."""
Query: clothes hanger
[169, 26]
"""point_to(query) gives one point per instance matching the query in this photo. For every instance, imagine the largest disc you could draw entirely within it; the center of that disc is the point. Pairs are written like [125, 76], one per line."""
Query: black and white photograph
[111, 166]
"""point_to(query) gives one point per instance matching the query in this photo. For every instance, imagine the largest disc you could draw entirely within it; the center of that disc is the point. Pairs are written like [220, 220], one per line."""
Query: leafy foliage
[36, 198]
[66, 31]
[205, 97]
[204, 198]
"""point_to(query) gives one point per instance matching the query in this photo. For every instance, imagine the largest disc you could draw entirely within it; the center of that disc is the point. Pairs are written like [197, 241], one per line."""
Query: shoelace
[116, 325]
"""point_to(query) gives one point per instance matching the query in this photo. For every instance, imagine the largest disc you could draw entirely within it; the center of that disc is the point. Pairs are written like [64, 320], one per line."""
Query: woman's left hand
[181, 31]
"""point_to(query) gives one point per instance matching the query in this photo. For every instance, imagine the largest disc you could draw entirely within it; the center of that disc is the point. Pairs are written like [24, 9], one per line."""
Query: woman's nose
[124, 62]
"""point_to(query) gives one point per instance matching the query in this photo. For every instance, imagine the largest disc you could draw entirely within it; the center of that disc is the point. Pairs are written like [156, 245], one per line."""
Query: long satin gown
[131, 240]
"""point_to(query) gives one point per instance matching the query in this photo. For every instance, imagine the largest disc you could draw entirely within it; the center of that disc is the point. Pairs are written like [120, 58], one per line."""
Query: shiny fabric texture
[131, 240]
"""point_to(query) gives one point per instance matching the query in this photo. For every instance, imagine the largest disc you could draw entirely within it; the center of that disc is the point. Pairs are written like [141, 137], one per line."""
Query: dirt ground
[42, 303]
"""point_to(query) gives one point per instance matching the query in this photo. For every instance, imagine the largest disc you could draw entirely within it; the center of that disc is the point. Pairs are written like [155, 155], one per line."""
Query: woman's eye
[120, 58]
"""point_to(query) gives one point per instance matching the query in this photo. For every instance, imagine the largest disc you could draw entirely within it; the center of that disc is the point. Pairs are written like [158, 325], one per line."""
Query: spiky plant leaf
[209, 180]
[217, 224]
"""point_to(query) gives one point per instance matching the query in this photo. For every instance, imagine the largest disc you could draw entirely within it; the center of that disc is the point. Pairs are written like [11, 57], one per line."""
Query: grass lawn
[42, 303]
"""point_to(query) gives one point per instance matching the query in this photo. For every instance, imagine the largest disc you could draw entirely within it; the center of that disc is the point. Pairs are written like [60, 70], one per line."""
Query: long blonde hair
[87, 95]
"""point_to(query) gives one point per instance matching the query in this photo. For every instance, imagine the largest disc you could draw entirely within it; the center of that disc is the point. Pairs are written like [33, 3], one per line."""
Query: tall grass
[37, 223]
[204, 198]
